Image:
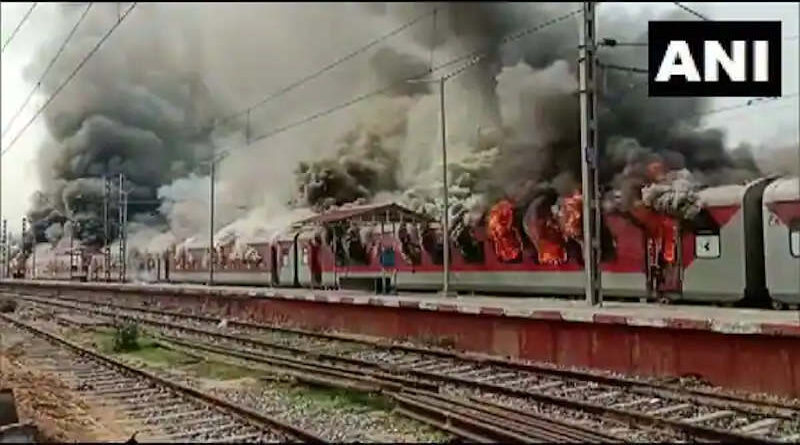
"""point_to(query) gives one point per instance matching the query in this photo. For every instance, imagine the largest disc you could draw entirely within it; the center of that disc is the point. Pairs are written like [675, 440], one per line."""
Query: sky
[773, 123]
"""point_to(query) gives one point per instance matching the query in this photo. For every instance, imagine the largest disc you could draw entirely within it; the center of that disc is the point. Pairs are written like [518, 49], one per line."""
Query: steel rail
[784, 410]
[254, 417]
[627, 415]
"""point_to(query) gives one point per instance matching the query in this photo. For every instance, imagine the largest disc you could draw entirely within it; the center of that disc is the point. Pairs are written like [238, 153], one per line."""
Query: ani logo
[714, 59]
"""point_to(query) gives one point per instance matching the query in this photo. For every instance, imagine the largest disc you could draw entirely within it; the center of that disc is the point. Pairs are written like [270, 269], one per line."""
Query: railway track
[160, 410]
[695, 414]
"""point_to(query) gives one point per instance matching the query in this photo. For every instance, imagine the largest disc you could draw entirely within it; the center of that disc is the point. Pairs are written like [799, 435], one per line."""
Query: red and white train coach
[726, 254]
[743, 246]
[781, 222]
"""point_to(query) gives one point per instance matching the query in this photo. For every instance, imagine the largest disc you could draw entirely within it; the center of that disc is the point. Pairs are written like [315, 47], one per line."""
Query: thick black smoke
[130, 110]
[361, 168]
[541, 149]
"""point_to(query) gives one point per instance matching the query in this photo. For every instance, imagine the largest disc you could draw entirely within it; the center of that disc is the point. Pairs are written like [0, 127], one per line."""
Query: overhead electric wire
[473, 58]
[71, 76]
[326, 68]
[46, 70]
[749, 103]
[614, 42]
[630, 69]
[19, 25]
[691, 11]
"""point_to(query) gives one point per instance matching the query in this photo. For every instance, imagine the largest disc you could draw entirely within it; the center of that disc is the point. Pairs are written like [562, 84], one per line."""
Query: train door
[664, 263]
[296, 261]
[166, 267]
[273, 264]
[315, 263]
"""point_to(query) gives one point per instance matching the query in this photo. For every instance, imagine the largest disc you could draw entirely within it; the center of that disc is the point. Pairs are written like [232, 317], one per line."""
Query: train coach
[742, 247]
[646, 255]
[781, 222]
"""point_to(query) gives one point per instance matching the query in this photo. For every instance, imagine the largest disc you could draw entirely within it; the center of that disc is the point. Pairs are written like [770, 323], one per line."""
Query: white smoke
[675, 195]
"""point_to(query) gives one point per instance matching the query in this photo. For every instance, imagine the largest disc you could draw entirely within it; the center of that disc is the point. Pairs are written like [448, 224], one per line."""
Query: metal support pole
[3, 244]
[446, 216]
[589, 155]
[24, 256]
[120, 258]
[106, 228]
[71, 248]
[5, 250]
[122, 216]
[211, 227]
[124, 236]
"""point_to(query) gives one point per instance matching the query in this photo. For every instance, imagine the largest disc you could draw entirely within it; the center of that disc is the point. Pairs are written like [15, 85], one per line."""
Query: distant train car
[250, 265]
[781, 222]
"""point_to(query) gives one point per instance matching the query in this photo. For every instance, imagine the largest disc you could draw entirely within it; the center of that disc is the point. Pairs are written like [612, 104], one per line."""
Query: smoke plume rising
[141, 107]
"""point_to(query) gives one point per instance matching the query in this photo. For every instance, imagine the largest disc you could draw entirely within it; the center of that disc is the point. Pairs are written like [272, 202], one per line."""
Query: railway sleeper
[142, 415]
[541, 430]
[123, 391]
[710, 416]
[437, 366]
[671, 409]
[523, 381]
[444, 426]
[89, 386]
[109, 388]
[528, 418]
[201, 421]
[500, 376]
[241, 438]
[478, 428]
[547, 385]
[604, 395]
[762, 426]
[200, 433]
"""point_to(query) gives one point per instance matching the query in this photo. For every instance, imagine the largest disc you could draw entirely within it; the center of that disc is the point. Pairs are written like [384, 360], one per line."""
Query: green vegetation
[148, 350]
[155, 353]
[126, 337]
[219, 371]
[7, 305]
[340, 399]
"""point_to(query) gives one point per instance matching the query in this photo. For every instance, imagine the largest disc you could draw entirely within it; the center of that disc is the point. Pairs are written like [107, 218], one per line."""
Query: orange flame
[660, 228]
[570, 216]
[549, 241]
[501, 231]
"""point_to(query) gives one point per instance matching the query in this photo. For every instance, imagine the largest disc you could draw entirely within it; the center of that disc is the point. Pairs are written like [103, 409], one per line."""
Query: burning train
[730, 244]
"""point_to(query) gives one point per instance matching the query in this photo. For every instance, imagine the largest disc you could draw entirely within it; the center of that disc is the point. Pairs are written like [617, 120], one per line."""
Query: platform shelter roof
[386, 213]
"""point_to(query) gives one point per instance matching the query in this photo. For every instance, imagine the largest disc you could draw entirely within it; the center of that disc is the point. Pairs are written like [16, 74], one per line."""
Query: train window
[707, 245]
[794, 242]
[305, 256]
[285, 260]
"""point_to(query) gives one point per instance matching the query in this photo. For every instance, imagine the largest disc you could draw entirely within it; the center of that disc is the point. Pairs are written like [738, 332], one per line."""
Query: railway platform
[747, 349]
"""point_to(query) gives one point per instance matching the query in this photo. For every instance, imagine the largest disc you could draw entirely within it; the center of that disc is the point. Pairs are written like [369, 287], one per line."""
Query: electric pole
[24, 256]
[446, 192]
[106, 228]
[211, 227]
[4, 251]
[122, 204]
[587, 64]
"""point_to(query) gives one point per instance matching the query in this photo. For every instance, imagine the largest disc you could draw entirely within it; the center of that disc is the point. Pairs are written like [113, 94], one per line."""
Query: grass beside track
[304, 398]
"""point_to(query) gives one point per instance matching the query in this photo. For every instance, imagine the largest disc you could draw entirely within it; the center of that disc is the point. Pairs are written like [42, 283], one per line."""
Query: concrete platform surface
[699, 317]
